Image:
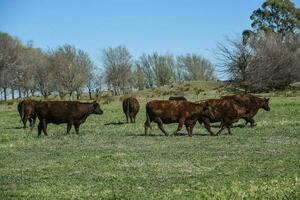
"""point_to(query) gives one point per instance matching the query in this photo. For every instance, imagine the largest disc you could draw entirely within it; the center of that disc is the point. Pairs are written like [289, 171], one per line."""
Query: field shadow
[114, 123]
[15, 127]
[179, 134]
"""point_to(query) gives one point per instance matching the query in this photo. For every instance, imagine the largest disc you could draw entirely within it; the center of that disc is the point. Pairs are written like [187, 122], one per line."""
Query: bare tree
[9, 60]
[117, 63]
[71, 68]
[195, 67]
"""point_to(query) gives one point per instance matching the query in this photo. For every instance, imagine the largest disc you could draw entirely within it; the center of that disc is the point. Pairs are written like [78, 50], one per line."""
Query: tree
[195, 67]
[117, 63]
[158, 69]
[9, 60]
[71, 69]
[274, 64]
[145, 64]
[139, 80]
[279, 16]
[234, 60]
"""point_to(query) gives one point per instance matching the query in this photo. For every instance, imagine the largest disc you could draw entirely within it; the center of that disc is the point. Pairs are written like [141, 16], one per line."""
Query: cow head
[97, 109]
[265, 104]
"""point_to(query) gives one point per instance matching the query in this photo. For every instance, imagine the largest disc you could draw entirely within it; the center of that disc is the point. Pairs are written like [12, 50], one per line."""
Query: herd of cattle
[226, 110]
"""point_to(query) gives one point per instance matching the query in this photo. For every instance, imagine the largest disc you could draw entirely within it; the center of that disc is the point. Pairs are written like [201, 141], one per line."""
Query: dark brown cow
[224, 111]
[166, 112]
[70, 112]
[251, 103]
[178, 98]
[131, 107]
[26, 112]
[228, 111]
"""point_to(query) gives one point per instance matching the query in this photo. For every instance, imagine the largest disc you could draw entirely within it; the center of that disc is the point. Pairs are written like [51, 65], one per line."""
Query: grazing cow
[131, 107]
[178, 98]
[26, 112]
[251, 103]
[181, 112]
[70, 112]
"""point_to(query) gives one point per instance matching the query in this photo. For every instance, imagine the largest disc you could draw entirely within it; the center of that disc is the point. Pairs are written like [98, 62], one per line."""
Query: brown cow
[70, 112]
[131, 107]
[222, 110]
[251, 103]
[166, 112]
[228, 111]
[26, 112]
[178, 98]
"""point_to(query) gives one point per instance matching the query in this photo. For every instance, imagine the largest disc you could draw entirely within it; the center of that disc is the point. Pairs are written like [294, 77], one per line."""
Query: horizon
[177, 28]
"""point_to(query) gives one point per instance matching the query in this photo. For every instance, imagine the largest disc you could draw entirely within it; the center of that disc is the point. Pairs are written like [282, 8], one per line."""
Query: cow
[228, 111]
[251, 103]
[181, 112]
[221, 110]
[131, 107]
[59, 112]
[180, 98]
[26, 112]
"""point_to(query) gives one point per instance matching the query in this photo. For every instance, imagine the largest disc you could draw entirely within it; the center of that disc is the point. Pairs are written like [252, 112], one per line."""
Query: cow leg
[24, 120]
[147, 124]
[190, 129]
[221, 129]
[160, 126]
[131, 120]
[33, 121]
[252, 122]
[45, 127]
[126, 118]
[180, 125]
[206, 123]
[40, 126]
[77, 128]
[69, 126]
[228, 128]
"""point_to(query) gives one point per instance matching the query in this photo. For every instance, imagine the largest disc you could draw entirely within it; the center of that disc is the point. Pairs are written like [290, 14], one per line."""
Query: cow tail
[127, 108]
[148, 122]
[22, 111]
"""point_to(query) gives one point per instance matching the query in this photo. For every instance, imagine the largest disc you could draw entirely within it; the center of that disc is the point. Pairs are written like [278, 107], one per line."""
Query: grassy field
[112, 160]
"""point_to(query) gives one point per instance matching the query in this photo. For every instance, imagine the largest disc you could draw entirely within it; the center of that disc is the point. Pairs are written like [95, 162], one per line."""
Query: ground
[112, 160]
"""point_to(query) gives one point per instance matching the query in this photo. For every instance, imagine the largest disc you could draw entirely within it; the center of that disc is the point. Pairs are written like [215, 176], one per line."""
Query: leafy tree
[277, 16]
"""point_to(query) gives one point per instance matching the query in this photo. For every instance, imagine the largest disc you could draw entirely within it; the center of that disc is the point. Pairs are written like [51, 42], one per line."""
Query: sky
[143, 26]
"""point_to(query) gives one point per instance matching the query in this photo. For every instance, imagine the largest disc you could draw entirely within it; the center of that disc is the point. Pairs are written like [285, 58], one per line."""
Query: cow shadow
[114, 123]
[15, 127]
[179, 134]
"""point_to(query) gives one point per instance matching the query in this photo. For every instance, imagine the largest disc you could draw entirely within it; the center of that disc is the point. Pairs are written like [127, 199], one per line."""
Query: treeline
[266, 57]
[66, 71]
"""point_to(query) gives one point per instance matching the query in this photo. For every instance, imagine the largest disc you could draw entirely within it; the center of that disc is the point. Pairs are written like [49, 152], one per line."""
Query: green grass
[109, 161]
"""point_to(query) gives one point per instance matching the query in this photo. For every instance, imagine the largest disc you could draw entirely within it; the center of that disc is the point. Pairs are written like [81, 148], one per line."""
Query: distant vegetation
[265, 58]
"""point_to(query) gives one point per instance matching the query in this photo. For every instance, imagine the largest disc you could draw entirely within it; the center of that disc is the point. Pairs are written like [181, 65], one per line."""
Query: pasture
[112, 160]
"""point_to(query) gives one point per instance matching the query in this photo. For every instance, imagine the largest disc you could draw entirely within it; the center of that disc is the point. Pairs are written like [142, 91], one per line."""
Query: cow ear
[267, 99]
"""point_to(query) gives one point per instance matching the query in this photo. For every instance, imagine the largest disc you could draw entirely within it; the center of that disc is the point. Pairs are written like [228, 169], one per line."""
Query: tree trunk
[20, 93]
[5, 93]
[78, 95]
[90, 94]
[13, 94]
[70, 96]
[32, 93]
